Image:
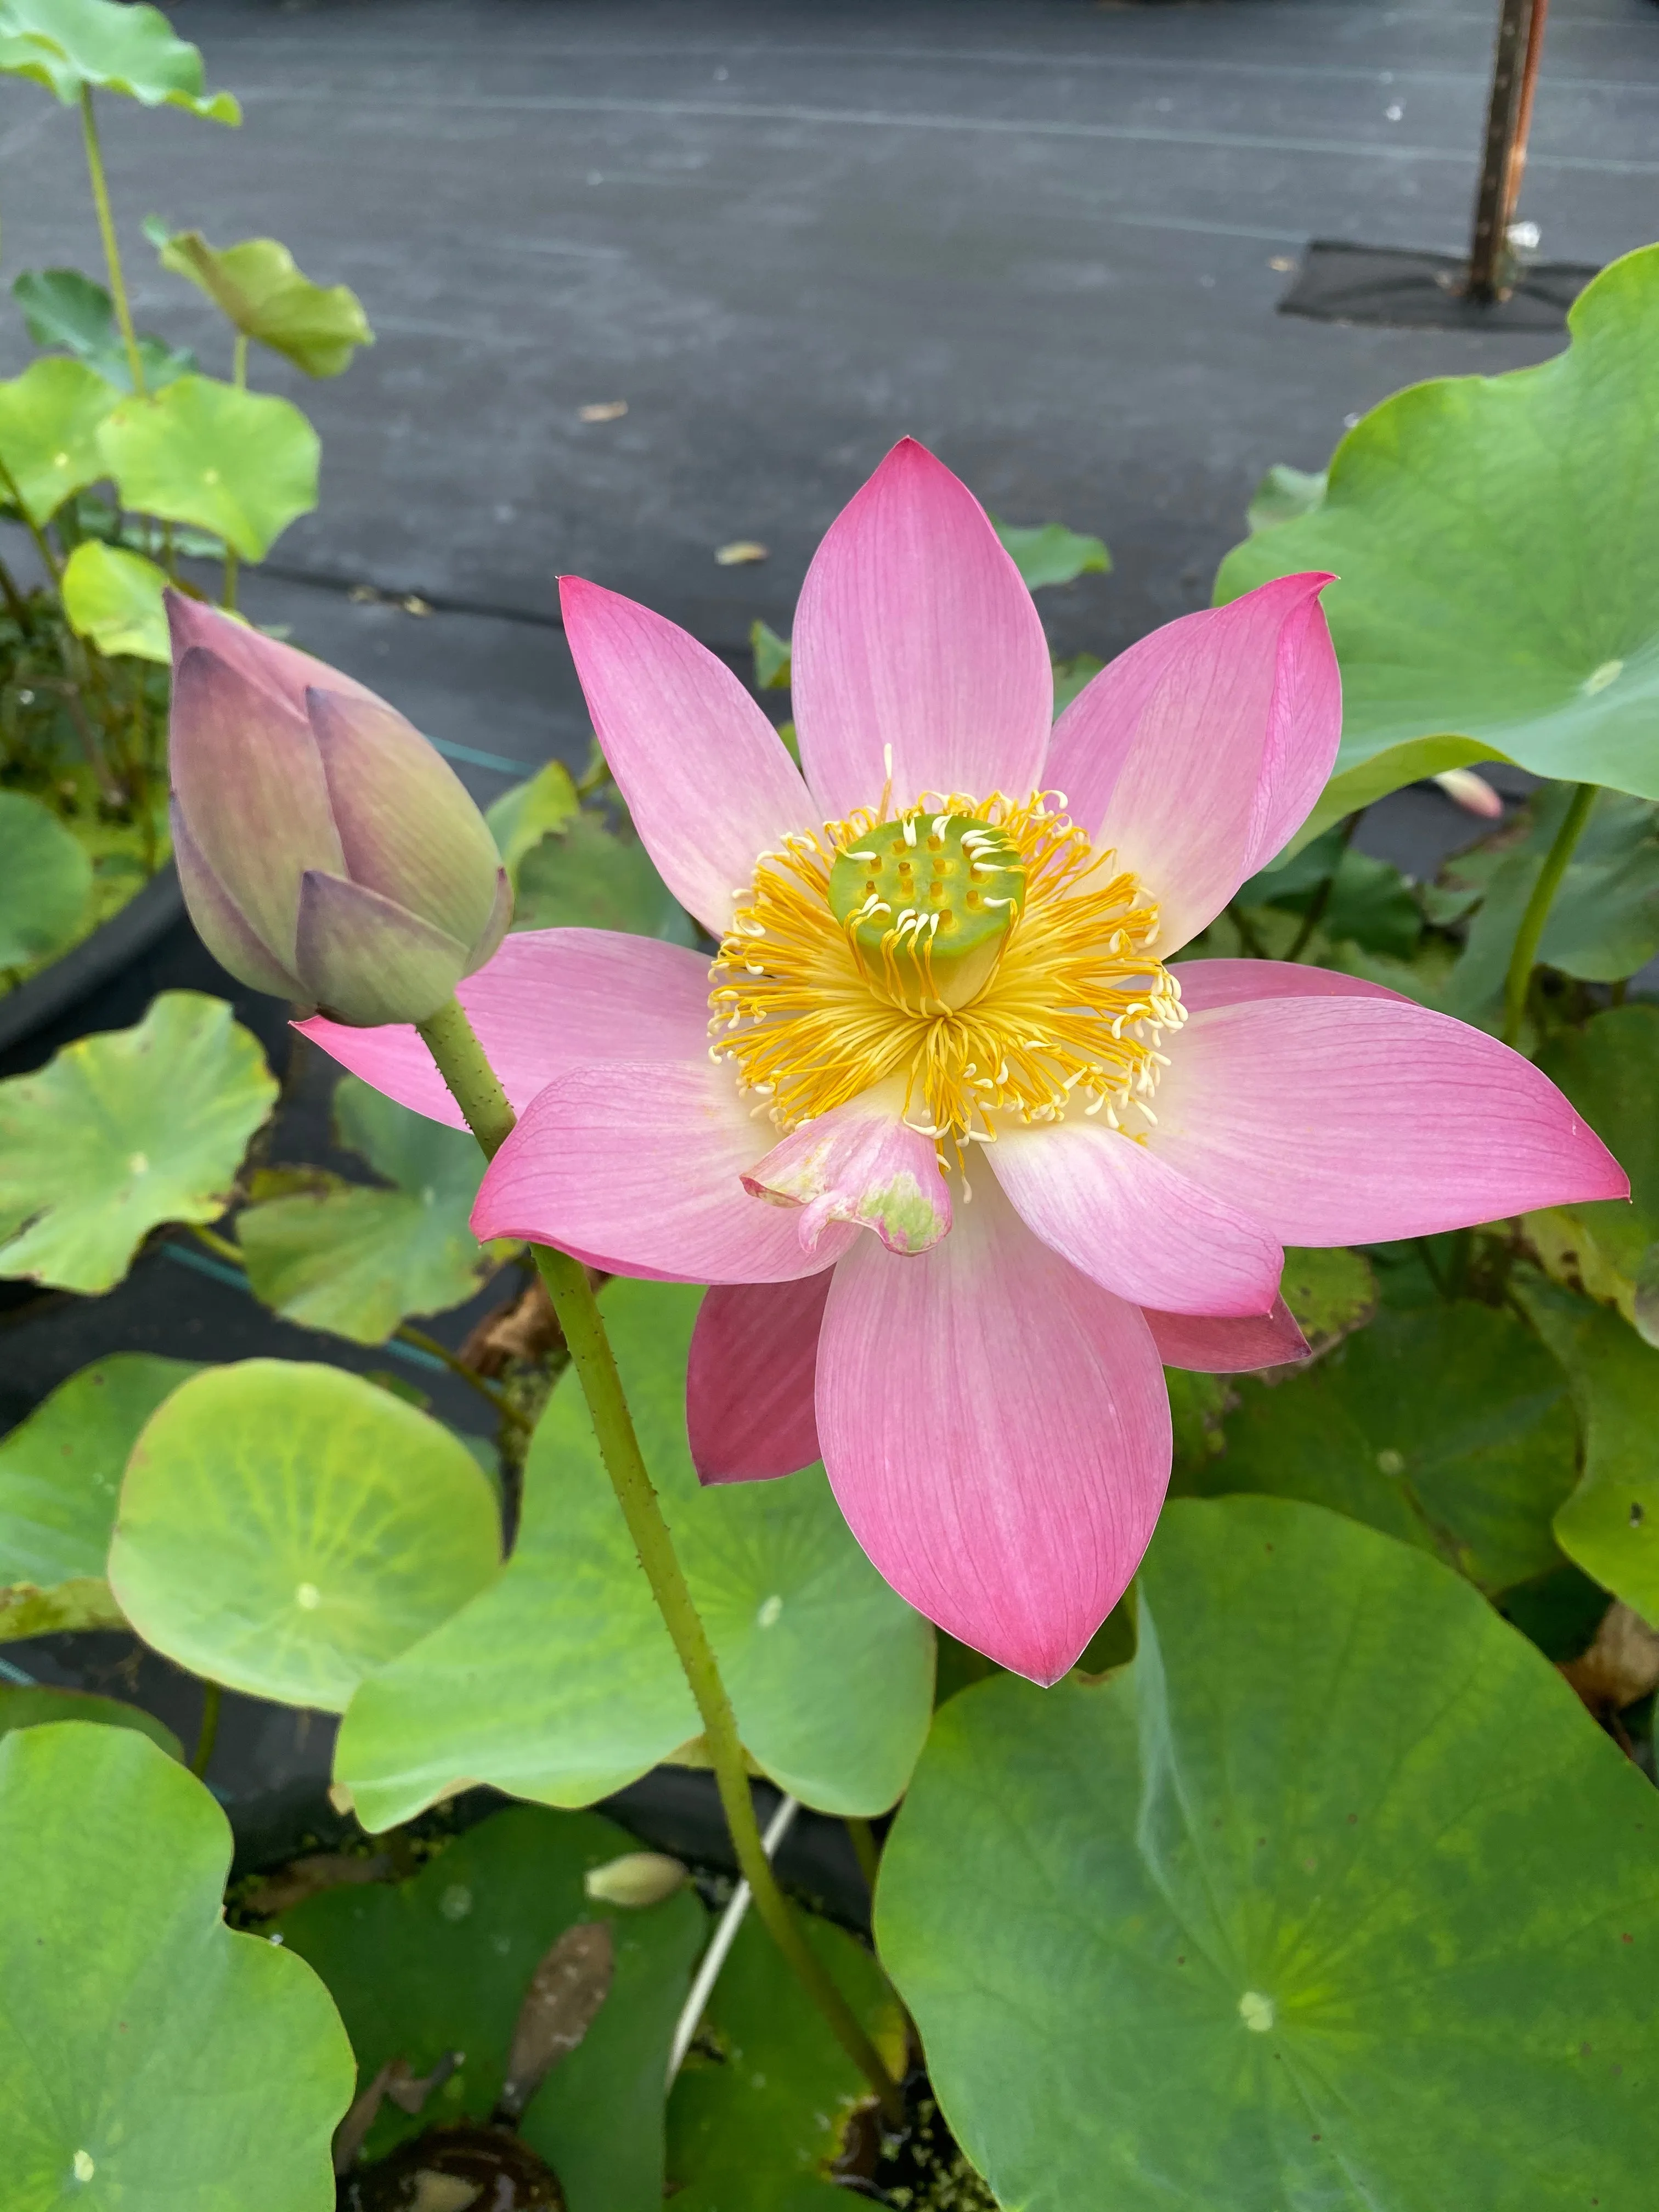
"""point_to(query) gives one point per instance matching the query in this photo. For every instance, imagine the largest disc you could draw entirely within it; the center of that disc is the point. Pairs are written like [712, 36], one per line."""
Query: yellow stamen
[1068, 1018]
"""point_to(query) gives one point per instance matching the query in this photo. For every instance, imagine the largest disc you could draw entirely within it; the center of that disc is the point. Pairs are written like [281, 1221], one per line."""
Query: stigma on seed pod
[927, 903]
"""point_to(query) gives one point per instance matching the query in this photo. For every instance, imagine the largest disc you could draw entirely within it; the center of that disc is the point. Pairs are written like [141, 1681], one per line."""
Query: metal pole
[1492, 199]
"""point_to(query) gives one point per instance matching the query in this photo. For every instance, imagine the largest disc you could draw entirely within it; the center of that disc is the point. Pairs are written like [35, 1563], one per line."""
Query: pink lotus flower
[965, 1161]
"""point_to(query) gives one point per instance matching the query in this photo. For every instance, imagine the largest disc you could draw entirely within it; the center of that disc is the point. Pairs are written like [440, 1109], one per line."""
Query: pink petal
[706, 777]
[219, 922]
[914, 630]
[750, 1379]
[1211, 1346]
[1197, 753]
[996, 1430]
[551, 999]
[287, 673]
[858, 1163]
[249, 780]
[1206, 984]
[638, 1166]
[431, 851]
[1134, 1224]
[1345, 1121]
[368, 959]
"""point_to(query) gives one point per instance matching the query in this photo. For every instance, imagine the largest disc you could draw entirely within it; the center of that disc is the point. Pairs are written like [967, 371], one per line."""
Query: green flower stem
[238, 377]
[472, 1082]
[208, 1732]
[117, 289]
[866, 1850]
[1524, 957]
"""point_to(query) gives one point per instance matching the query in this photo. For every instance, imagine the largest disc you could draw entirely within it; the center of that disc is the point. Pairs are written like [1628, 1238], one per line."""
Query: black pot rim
[115, 942]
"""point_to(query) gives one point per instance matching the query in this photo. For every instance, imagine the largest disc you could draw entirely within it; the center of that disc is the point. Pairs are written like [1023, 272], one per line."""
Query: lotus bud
[637, 1878]
[327, 854]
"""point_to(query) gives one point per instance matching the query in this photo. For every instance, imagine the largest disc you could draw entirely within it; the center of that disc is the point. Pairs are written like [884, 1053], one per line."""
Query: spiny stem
[472, 1082]
[118, 291]
[1524, 957]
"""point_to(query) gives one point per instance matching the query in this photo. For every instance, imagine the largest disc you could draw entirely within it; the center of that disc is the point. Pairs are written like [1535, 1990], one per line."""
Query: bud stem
[473, 1085]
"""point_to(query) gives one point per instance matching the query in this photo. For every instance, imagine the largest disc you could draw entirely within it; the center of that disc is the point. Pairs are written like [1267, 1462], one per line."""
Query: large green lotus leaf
[122, 1131]
[37, 1707]
[755, 2128]
[441, 1963]
[45, 875]
[50, 418]
[1610, 1070]
[240, 463]
[60, 1476]
[343, 1256]
[1609, 1526]
[522, 817]
[1497, 540]
[584, 875]
[1048, 553]
[115, 598]
[285, 1529]
[70, 44]
[150, 2059]
[1335, 1900]
[257, 288]
[560, 1683]
[65, 311]
[1450, 1427]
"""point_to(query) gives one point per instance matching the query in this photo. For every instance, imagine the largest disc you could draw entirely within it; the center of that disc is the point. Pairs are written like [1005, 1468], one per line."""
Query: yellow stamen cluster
[1068, 1018]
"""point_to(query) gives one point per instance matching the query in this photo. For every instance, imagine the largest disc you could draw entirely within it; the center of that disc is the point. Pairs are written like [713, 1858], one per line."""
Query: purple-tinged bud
[327, 854]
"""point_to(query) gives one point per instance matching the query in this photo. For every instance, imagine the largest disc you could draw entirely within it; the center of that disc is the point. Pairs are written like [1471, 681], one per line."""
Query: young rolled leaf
[441, 1964]
[1497, 540]
[756, 2127]
[122, 1131]
[1335, 1896]
[50, 418]
[259, 289]
[114, 598]
[559, 1683]
[60, 1476]
[286, 1528]
[240, 463]
[149, 2057]
[71, 46]
[66, 312]
[45, 877]
[329, 1254]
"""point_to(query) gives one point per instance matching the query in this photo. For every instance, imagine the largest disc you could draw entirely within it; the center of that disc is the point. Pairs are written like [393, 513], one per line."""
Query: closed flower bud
[637, 1878]
[327, 854]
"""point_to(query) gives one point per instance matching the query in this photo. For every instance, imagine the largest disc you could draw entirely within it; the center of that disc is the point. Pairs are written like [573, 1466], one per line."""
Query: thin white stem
[725, 1935]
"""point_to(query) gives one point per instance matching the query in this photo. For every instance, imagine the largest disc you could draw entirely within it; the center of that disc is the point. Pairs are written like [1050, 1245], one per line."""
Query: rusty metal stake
[1515, 69]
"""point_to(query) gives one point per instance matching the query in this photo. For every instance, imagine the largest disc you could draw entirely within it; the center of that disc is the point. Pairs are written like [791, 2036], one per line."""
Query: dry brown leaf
[564, 1997]
[305, 1877]
[1621, 1666]
[526, 1328]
